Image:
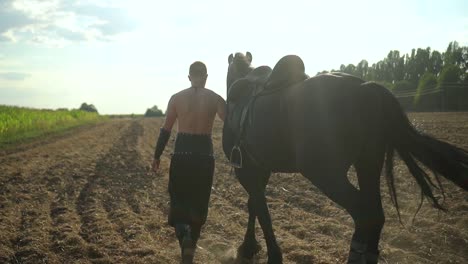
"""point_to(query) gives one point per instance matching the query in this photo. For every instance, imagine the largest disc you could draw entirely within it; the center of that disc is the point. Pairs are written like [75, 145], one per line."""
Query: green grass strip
[19, 123]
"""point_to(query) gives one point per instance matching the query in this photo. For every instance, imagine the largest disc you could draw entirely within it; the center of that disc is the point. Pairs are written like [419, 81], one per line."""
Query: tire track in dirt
[65, 222]
[34, 203]
[9, 217]
[108, 205]
[67, 243]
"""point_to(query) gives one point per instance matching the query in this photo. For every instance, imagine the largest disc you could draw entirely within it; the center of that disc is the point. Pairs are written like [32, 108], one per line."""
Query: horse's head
[239, 67]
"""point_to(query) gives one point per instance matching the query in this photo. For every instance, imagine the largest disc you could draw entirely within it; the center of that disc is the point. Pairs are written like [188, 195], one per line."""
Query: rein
[246, 116]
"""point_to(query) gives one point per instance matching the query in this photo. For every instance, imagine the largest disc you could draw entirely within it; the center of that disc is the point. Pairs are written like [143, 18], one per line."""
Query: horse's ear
[249, 56]
[231, 58]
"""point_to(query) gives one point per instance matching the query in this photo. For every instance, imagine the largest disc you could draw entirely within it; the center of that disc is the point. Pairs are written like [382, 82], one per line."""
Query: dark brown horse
[282, 121]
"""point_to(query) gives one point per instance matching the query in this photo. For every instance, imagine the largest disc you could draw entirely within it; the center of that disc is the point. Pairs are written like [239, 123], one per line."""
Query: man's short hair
[197, 68]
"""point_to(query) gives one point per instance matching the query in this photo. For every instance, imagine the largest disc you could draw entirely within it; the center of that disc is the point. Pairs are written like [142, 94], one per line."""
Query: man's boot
[184, 234]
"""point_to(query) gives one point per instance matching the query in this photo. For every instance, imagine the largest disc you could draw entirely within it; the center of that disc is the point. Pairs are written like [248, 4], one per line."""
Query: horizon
[125, 58]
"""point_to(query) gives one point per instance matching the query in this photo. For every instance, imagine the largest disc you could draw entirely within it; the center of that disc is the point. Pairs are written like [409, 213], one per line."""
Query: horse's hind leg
[333, 182]
[368, 169]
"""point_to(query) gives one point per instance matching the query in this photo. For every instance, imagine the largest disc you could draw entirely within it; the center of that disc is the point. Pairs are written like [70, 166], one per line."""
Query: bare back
[195, 110]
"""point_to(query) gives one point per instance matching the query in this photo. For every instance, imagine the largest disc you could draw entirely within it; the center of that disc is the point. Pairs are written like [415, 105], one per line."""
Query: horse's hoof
[275, 261]
[275, 258]
[372, 258]
[274, 255]
[357, 253]
[355, 258]
[248, 251]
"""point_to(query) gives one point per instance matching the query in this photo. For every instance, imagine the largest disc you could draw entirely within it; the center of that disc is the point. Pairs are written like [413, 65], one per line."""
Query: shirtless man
[192, 164]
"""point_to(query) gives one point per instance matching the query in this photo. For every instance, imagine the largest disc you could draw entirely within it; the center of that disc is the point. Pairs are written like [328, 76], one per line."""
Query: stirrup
[236, 153]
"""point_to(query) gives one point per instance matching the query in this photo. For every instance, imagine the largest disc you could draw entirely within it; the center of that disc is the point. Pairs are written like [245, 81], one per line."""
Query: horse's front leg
[254, 182]
[250, 246]
[263, 214]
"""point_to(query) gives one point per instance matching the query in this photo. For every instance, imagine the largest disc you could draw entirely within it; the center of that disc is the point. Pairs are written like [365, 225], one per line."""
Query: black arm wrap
[162, 141]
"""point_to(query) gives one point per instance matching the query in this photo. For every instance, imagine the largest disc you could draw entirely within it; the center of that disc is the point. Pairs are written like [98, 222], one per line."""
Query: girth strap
[236, 158]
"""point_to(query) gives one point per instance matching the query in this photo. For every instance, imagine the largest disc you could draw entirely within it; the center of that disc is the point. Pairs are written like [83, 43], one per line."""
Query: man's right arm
[165, 132]
[221, 107]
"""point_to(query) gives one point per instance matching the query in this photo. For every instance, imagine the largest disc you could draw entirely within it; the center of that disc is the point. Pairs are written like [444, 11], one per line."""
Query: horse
[281, 120]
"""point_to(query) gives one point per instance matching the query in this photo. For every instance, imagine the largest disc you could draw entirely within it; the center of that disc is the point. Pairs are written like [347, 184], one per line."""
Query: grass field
[18, 123]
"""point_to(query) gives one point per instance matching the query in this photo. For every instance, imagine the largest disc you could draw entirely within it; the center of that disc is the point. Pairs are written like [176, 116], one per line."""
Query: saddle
[288, 71]
[261, 81]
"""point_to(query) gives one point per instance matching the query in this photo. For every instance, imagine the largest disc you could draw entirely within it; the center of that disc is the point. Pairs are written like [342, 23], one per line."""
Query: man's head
[198, 74]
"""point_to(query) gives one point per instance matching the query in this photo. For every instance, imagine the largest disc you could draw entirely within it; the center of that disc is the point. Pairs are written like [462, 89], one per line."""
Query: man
[192, 164]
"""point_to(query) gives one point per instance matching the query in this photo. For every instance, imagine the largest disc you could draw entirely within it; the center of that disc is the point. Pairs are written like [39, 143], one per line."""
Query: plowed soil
[87, 197]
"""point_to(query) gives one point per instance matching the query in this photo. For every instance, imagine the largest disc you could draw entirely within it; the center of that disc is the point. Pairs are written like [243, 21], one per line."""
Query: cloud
[5, 38]
[14, 76]
[59, 21]
[110, 20]
[67, 33]
[11, 18]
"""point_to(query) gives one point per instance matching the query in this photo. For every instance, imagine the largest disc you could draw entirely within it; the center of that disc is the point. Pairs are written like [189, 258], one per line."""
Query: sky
[127, 56]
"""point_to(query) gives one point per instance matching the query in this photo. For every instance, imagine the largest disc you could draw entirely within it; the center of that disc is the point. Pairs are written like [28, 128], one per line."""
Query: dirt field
[85, 197]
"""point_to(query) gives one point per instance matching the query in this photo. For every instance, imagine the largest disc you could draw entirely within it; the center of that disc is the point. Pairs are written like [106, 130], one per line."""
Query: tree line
[424, 73]
[154, 112]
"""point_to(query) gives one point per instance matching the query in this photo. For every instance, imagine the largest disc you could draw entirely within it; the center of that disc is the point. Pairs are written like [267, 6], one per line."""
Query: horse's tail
[412, 146]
